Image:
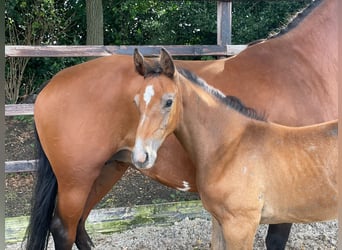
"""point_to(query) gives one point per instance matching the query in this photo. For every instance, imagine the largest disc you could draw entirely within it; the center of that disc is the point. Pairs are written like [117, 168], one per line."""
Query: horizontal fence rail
[20, 166]
[150, 50]
[18, 109]
[120, 219]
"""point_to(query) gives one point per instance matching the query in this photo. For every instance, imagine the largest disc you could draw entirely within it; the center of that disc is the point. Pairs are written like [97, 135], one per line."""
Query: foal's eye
[168, 103]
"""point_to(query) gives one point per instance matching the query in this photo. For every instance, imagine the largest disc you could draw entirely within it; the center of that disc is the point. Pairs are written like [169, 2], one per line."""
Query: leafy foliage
[160, 22]
[128, 22]
[253, 20]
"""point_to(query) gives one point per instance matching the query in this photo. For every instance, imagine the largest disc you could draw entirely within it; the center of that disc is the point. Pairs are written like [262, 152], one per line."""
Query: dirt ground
[133, 189]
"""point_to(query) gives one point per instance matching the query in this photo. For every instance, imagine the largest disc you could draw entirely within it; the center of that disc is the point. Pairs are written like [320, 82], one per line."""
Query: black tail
[43, 203]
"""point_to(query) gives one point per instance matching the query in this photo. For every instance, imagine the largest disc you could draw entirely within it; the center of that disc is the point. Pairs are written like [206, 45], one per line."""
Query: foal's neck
[207, 124]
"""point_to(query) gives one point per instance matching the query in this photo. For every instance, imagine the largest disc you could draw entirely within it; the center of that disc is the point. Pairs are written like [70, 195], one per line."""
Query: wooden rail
[121, 219]
[20, 166]
[18, 109]
[90, 51]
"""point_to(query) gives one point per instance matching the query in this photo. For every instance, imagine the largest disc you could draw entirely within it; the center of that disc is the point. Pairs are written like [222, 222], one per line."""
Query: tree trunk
[94, 22]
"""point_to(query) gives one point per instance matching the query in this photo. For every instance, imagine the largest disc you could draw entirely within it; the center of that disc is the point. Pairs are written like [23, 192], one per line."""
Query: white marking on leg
[186, 187]
[149, 92]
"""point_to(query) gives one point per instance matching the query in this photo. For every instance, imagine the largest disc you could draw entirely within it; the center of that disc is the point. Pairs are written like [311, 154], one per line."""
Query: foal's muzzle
[143, 156]
[140, 160]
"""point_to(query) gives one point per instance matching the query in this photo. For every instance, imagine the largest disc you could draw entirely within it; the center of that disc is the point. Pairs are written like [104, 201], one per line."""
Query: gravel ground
[186, 234]
[195, 234]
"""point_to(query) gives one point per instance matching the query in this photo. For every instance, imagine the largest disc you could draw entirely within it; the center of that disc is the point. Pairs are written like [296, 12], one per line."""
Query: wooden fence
[222, 49]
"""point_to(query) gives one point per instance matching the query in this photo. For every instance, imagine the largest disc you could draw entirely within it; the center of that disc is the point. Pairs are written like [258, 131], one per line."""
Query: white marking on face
[143, 119]
[186, 187]
[244, 170]
[139, 153]
[149, 92]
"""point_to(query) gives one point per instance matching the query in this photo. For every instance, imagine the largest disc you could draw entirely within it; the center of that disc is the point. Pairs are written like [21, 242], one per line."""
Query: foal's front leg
[239, 230]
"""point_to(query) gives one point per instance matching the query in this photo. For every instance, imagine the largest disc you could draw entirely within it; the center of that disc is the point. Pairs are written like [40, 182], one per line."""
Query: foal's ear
[166, 63]
[139, 62]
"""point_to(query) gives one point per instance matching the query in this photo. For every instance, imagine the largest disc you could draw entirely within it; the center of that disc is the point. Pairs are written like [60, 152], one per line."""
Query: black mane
[231, 101]
[297, 18]
[293, 22]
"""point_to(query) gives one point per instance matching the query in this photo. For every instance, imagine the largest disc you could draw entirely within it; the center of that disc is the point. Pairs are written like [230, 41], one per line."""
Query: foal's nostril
[146, 157]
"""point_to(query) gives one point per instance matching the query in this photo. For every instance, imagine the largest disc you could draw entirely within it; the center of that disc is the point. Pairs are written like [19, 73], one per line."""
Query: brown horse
[248, 170]
[86, 121]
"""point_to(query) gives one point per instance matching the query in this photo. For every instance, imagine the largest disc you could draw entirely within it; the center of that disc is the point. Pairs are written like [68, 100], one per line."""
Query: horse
[248, 170]
[86, 125]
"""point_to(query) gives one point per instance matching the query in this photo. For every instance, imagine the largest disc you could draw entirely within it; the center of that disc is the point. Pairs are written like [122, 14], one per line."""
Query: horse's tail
[43, 202]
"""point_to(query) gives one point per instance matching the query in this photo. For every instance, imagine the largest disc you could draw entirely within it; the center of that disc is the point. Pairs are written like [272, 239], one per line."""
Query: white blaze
[139, 153]
[143, 118]
[149, 92]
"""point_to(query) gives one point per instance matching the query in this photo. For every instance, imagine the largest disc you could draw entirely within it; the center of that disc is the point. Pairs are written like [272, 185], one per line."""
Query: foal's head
[159, 104]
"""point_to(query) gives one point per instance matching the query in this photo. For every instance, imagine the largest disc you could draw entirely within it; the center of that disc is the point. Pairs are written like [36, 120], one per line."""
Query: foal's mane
[231, 101]
[293, 22]
[154, 69]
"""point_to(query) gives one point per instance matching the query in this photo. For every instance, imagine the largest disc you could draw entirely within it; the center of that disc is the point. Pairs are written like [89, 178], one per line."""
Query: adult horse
[248, 170]
[86, 125]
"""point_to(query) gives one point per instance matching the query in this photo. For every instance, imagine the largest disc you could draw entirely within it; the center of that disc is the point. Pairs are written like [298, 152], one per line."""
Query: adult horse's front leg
[110, 174]
[74, 185]
[277, 236]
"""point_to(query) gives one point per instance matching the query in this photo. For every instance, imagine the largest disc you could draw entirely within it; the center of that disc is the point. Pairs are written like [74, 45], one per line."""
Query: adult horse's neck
[270, 74]
[314, 35]
[316, 31]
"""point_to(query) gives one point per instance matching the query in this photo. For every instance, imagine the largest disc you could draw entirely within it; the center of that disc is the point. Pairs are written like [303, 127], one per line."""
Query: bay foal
[248, 171]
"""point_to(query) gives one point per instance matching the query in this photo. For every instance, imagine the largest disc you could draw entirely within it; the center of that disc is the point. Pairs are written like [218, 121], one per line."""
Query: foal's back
[301, 165]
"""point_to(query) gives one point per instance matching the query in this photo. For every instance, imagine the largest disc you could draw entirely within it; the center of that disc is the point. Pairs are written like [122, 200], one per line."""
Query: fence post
[224, 22]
